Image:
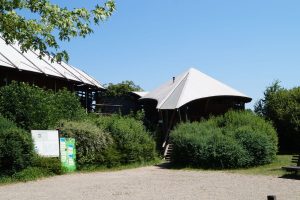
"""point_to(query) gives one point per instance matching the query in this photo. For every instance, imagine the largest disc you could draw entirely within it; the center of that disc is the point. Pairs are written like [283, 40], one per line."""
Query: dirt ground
[154, 183]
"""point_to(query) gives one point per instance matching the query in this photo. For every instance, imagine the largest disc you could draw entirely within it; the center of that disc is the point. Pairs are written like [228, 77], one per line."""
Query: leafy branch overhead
[50, 24]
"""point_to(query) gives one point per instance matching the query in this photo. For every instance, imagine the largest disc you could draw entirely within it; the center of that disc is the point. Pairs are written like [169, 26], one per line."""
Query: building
[190, 96]
[28, 67]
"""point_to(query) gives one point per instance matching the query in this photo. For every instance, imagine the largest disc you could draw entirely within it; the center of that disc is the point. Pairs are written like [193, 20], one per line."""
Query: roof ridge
[171, 92]
[186, 82]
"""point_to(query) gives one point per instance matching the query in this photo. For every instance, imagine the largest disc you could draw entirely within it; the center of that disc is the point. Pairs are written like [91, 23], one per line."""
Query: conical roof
[190, 86]
[11, 56]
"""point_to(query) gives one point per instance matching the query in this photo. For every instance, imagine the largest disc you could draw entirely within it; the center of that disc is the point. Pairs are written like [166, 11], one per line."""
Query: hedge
[132, 140]
[237, 139]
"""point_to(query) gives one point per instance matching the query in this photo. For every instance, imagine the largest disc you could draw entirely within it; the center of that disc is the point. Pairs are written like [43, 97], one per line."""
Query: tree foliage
[120, 89]
[282, 107]
[31, 107]
[49, 24]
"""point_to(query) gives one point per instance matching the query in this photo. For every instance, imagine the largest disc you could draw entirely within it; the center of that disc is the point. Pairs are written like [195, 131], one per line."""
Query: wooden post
[186, 114]
[86, 100]
[206, 106]
[271, 197]
[179, 115]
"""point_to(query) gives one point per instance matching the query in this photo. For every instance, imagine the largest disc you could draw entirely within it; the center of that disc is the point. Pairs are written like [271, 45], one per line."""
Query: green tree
[120, 89]
[31, 107]
[262, 106]
[282, 107]
[49, 24]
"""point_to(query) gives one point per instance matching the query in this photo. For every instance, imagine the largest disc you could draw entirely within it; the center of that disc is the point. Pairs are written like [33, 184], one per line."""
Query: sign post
[68, 153]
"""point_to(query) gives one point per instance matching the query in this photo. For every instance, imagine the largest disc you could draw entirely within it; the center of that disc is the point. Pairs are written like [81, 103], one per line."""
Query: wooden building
[27, 67]
[190, 96]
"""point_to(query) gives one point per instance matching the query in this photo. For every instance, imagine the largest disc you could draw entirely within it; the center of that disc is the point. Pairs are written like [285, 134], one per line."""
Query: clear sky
[245, 44]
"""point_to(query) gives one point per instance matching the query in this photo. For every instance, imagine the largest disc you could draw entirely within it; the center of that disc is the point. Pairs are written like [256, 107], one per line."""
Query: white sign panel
[46, 142]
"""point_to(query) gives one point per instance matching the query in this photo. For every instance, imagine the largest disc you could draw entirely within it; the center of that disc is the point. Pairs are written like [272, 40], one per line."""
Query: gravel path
[154, 183]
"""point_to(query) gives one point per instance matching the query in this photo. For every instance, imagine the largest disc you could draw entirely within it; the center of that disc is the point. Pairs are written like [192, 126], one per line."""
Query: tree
[282, 107]
[50, 24]
[262, 106]
[120, 89]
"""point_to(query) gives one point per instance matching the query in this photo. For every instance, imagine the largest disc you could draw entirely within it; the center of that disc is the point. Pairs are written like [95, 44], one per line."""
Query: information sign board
[46, 142]
[68, 153]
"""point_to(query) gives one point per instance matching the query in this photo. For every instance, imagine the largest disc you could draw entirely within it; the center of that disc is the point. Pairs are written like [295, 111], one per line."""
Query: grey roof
[140, 94]
[12, 57]
[190, 86]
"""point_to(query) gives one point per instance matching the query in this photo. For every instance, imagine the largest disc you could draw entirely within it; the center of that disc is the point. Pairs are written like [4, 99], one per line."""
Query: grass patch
[95, 168]
[28, 174]
[35, 173]
[273, 169]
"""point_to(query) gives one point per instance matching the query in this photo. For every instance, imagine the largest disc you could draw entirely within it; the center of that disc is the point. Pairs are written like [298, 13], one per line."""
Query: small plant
[30, 174]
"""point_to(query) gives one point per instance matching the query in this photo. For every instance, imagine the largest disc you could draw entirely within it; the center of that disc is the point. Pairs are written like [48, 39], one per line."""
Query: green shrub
[133, 142]
[92, 143]
[31, 107]
[237, 139]
[204, 145]
[259, 146]
[25, 105]
[65, 105]
[16, 148]
[30, 174]
[51, 165]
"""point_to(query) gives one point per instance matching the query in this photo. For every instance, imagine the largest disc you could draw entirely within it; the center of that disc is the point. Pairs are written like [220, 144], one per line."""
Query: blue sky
[245, 44]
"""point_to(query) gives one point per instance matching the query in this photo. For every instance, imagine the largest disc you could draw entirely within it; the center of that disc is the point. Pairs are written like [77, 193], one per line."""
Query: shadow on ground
[291, 176]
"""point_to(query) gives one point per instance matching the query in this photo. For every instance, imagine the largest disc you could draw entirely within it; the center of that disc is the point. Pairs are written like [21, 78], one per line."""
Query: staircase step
[168, 152]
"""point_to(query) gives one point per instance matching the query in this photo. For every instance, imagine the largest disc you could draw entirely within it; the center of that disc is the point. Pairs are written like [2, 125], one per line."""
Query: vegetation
[30, 107]
[48, 24]
[282, 107]
[16, 148]
[92, 143]
[237, 139]
[121, 89]
[132, 140]
[18, 160]
[272, 169]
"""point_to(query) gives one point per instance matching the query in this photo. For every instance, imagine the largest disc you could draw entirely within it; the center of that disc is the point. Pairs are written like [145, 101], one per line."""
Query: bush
[237, 139]
[133, 142]
[51, 165]
[260, 148]
[31, 107]
[65, 106]
[93, 145]
[16, 148]
[25, 105]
